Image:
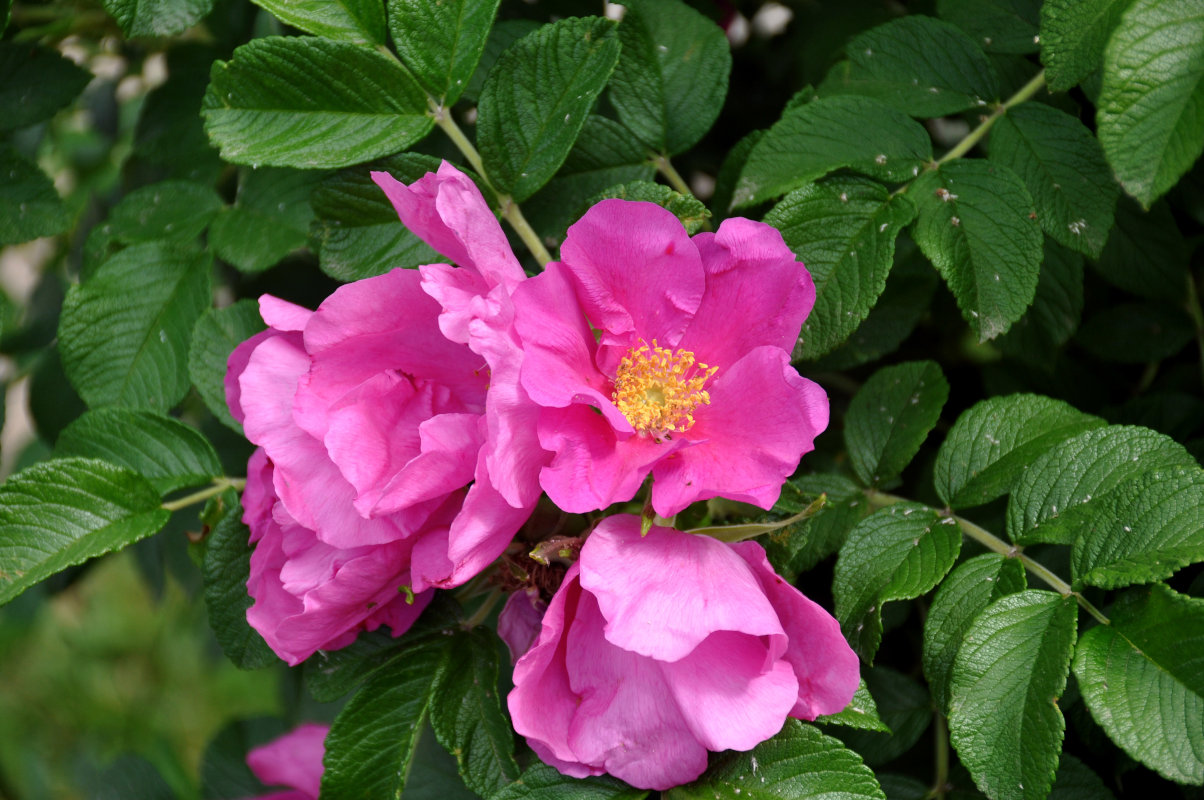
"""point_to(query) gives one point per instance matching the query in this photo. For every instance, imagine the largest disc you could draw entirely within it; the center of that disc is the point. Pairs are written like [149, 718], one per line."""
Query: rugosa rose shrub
[650, 351]
[656, 649]
[293, 760]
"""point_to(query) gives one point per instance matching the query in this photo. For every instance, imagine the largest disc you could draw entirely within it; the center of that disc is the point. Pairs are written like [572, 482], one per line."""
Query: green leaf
[1146, 254]
[860, 714]
[156, 17]
[1141, 679]
[223, 771]
[1054, 315]
[969, 589]
[537, 98]
[274, 103]
[270, 218]
[815, 138]
[1137, 333]
[897, 553]
[214, 337]
[891, 416]
[990, 445]
[1142, 531]
[906, 711]
[441, 42]
[504, 33]
[467, 715]
[800, 763]
[844, 229]
[1073, 36]
[35, 82]
[920, 65]
[165, 451]
[356, 21]
[1000, 26]
[225, 570]
[371, 742]
[1063, 167]
[541, 782]
[170, 132]
[801, 546]
[60, 513]
[176, 211]
[124, 334]
[357, 233]
[29, 205]
[1151, 106]
[1076, 781]
[976, 223]
[433, 773]
[689, 209]
[1059, 491]
[1010, 670]
[672, 74]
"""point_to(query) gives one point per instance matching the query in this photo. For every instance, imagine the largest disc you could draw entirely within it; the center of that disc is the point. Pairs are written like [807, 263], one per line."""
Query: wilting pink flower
[649, 351]
[293, 760]
[657, 649]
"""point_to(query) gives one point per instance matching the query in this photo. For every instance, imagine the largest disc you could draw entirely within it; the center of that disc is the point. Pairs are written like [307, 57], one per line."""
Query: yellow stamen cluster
[658, 389]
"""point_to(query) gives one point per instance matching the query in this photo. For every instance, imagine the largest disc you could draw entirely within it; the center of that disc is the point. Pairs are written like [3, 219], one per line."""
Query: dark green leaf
[1136, 333]
[1075, 781]
[29, 205]
[1141, 679]
[275, 103]
[897, 553]
[357, 233]
[1010, 670]
[1054, 315]
[157, 17]
[826, 134]
[52, 402]
[1064, 169]
[976, 223]
[692, 213]
[729, 172]
[433, 773]
[1054, 498]
[176, 211]
[124, 335]
[441, 42]
[890, 417]
[165, 451]
[170, 132]
[1073, 35]
[991, 445]
[35, 82]
[1151, 106]
[503, 34]
[920, 65]
[969, 589]
[225, 569]
[906, 711]
[541, 782]
[844, 230]
[537, 98]
[270, 218]
[861, 713]
[216, 334]
[797, 548]
[1000, 26]
[1146, 254]
[358, 21]
[672, 75]
[60, 513]
[224, 770]
[800, 763]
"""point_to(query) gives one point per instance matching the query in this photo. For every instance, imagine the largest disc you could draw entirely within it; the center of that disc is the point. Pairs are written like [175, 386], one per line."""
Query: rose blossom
[293, 760]
[657, 649]
[650, 351]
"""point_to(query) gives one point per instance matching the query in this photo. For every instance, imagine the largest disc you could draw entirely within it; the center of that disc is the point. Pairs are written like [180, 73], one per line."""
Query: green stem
[665, 167]
[482, 613]
[1197, 317]
[219, 485]
[975, 136]
[940, 786]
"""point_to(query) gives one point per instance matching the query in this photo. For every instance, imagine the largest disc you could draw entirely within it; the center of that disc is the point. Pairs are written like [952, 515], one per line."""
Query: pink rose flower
[649, 351]
[293, 760]
[657, 649]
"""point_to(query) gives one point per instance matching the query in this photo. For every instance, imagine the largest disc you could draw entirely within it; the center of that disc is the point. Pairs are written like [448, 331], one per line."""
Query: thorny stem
[995, 544]
[975, 136]
[219, 485]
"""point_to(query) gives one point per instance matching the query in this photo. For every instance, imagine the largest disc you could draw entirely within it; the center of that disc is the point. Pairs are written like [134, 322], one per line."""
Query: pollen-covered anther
[657, 389]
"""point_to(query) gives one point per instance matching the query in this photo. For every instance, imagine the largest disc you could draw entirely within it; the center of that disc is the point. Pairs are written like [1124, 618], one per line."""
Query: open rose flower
[293, 760]
[657, 649]
[649, 351]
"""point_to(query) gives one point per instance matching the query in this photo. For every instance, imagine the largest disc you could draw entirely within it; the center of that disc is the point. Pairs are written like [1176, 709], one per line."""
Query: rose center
[657, 389]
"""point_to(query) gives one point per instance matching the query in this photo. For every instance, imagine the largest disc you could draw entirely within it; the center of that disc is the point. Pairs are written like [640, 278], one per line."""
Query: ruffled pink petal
[446, 210]
[827, 668]
[727, 696]
[756, 293]
[637, 272]
[283, 315]
[236, 364]
[447, 456]
[518, 622]
[481, 530]
[293, 760]
[759, 400]
[627, 720]
[258, 496]
[664, 593]
[461, 293]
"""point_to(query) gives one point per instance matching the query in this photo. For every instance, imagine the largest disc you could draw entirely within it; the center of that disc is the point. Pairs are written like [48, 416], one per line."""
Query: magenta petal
[480, 532]
[663, 594]
[448, 453]
[461, 293]
[283, 315]
[760, 400]
[749, 271]
[236, 364]
[639, 274]
[293, 760]
[519, 621]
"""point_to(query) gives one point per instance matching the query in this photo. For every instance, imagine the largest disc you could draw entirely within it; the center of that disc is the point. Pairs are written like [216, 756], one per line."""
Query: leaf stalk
[218, 486]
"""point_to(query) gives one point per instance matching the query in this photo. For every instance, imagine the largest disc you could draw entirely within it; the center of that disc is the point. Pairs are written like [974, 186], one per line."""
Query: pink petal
[481, 530]
[461, 293]
[827, 668]
[236, 364]
[518, 623]
[663, 594]
[259, 496]
[293, 760]
[449, 444]
[757, 293]
[762, 418]
[283, 315]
